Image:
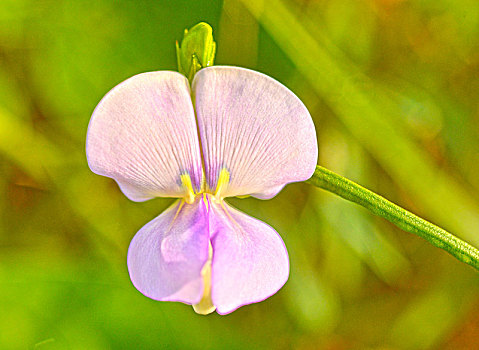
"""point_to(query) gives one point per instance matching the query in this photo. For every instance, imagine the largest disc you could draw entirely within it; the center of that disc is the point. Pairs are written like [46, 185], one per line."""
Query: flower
[236, 132]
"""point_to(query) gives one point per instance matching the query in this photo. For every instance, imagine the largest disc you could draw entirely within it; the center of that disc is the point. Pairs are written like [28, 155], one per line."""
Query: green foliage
[392, 87]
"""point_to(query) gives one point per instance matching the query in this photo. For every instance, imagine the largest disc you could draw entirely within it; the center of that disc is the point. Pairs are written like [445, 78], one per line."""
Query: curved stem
[347, 189]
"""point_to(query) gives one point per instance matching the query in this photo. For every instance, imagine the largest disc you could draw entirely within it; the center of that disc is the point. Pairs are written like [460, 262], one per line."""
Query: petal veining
[255, 128]
[167, 255]
[250, 261]
[143, 134]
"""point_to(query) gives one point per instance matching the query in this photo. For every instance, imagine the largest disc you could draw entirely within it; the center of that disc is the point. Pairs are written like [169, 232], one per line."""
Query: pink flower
[236, 132]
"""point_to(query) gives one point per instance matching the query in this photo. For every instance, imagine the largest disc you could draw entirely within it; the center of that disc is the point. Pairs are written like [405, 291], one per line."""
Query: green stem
[402, 218]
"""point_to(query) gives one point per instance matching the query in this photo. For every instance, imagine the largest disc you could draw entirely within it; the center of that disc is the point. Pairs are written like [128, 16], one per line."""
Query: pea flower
[235, 132]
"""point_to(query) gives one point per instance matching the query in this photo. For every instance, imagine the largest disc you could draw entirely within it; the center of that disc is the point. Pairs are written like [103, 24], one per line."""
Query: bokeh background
[393, 87]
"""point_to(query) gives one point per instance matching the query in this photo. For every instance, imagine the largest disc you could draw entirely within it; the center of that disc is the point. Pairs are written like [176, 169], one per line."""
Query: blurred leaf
[352, 96]
[21, 143]
[431, 315]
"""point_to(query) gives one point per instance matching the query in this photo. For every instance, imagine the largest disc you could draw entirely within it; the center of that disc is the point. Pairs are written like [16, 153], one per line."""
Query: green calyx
[197, 50]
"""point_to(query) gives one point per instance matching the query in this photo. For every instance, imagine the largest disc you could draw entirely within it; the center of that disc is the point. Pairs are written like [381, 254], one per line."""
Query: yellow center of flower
[188, 187]
[205, 306]
[190, 195]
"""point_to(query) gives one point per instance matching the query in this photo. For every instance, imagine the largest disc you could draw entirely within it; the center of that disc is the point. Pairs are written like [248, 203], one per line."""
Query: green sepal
[197, 50]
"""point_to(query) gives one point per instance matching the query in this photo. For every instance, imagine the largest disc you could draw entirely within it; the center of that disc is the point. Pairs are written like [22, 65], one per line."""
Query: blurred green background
[393, 87]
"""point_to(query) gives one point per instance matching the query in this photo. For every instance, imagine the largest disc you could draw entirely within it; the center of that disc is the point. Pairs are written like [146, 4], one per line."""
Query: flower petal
[167, 255]
[250, 261]
[143, 134]
[255, 128]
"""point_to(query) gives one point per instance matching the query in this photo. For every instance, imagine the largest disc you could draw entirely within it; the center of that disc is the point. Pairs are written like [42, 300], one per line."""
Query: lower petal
[167, 255]
[250, 261]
